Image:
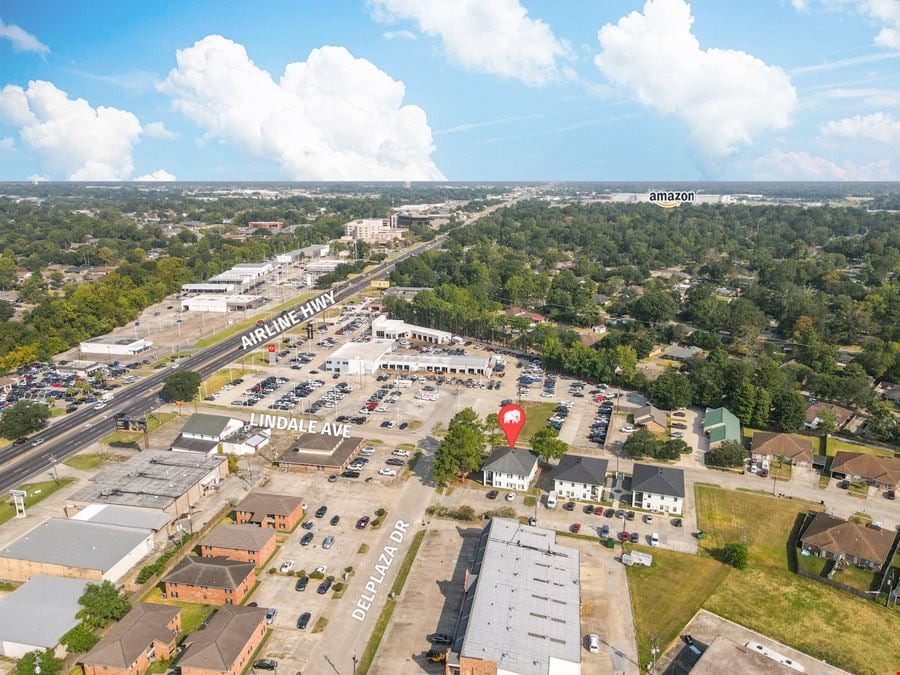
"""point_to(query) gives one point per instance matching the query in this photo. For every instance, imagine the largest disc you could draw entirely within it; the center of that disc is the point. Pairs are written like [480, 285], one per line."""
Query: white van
[551, 500]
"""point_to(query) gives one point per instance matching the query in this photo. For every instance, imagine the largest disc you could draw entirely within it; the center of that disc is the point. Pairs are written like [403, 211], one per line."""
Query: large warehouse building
[76, 549]
[394, 329]
[521, 609]
[221, 303]
[115, 346]
[356, 358]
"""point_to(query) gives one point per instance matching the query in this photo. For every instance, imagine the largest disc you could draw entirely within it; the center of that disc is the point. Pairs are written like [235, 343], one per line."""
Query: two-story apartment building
[658, 488]
[211, 581]
[145, 635]
[246, 543]
[263, 509]
[226, 645]
[510, 468]
[580, 477]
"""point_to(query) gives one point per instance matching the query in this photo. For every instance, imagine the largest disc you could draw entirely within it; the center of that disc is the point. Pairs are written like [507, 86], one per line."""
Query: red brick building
[212, 581]
[265, 224]
[146, 634]
[246, 543]
[281, 512]
[227, 643]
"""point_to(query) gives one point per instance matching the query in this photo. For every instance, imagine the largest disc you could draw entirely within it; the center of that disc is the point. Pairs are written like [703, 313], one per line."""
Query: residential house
[203, 433]
[720, 425]
[651, 418]
[510, 468]
[281, 512]
[246, 543]
[658, 488]
[580, 477]
[227, 644]
[843, 541]
[842, 414]
[880, 472]
[769, 446]
[678, 353]
[890, 391]
[211, 581]
[146, 634]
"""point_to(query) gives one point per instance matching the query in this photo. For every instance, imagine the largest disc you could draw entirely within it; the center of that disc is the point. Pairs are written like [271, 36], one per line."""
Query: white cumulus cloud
[399, 34]
[725, 97]
[160, 175]
[879, 127]
[160, 131]
[21, 40]
[331, 117]
[781, 165]
[496, 37]
[70, 136]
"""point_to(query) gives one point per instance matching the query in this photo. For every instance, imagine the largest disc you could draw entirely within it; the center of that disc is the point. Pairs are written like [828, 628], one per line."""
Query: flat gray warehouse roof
[40, 611]
[76, 543]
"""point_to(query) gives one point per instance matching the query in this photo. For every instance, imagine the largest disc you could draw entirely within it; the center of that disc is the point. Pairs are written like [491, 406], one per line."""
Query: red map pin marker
[511, 419]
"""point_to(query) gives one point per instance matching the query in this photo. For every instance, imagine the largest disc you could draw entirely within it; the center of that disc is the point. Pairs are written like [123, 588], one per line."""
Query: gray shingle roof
[659, 480]
[76, 543]
[40, 611]
[123, 644]
[212, 572]
[518, 461]
[217, 646]
[202, 424]
[581, 469]
[265, 503]
[241, 537]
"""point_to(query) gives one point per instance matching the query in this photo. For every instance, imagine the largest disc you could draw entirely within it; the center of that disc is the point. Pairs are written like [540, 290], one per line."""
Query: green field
[36, 492]
[536, 416]
[192, 614]
[824, 622]
[219, 379]
[90, 461]
[832, 445]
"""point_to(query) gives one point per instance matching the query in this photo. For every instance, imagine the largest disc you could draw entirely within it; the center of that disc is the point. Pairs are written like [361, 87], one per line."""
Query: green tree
[80, 638]
[181, 386]
[545, 442]
[655, 306]
[671, 390]
[729, 453]
[762, 409]
[672, 449]
[23, 418]
[6, 310]
[461, 449]
[828, 422]
[101, 604]
[642, 443]
[492, 429]
[7, 273]
[625, 359]
[50, 664]
[743, 401]
[789, 411]
[735, 554]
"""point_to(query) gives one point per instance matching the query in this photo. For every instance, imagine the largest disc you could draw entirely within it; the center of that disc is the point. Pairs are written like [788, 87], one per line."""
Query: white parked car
[368, 450]
[510, 496]
[322, 569]
[287, 566]
[654, 539]
[594, 643]
[100, 406]
[386, 472]
[628, 429]
[401, 453]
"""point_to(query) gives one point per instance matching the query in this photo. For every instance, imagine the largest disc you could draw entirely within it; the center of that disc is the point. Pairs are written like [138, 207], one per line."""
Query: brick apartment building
[281, 512]
[146, 634]
[227, 643]
[212, 581]
[246, 543]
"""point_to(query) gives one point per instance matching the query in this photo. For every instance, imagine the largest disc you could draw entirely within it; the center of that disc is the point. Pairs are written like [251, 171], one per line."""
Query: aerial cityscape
[402, 337]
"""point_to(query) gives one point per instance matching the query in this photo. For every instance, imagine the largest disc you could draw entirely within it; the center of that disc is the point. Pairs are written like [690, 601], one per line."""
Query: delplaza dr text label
[385, 558]
[287, 320]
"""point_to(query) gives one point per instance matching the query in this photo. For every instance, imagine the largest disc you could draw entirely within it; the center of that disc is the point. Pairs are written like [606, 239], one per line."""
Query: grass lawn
[781, 471]
[219, 379]
[8, 586]
[860, 490]
[856, 577]
[192, 614]
[825, 622]
[241, 326]
[811, 564]
[154, 422]
[530, 501]
[666, 596]
[320, 624]
[832, 445]
[35, 493]
[363, 548]
[90, 461]
[536, 416]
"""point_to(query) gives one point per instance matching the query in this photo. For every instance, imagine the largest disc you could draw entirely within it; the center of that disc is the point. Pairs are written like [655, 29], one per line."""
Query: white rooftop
[366, 351]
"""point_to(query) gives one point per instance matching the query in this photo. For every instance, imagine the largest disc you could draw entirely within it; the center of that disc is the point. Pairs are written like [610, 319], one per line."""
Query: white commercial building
[323, 266]
[359, 358]
[365, 358]
[252, 270]
[229, 279]
[221, 303]
[207, 288]
[115, 346]
[372, 230]
[395, 329]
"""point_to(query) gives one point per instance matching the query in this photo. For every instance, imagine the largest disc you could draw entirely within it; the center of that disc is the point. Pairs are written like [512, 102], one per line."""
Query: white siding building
[510, 469]
[115, 346]
[658, 488]
[579, 477]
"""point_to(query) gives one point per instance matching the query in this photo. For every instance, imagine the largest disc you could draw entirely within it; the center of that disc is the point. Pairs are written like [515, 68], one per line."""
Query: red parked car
[624, 536]
[575, 528]
[598, 510]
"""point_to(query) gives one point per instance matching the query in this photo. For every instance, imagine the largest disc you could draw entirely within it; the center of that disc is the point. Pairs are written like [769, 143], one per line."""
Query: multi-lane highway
[79, 429]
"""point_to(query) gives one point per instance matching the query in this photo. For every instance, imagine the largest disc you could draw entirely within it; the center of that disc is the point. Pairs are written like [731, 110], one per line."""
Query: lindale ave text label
[299, 425]
[287, 320]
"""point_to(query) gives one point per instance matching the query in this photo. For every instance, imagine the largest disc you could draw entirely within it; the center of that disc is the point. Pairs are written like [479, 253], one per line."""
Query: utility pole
[654, 650]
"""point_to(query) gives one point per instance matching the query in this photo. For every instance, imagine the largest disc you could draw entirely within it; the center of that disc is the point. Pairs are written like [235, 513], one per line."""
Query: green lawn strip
[89, 462]
[665, 596]
[363, 548]
[860, 490]
[833, 445]
[536, 416]
[855, 577]
[8, 586]
[825, 622]
[35, 492]
[320, 624]
[385, 617]
[219, 379]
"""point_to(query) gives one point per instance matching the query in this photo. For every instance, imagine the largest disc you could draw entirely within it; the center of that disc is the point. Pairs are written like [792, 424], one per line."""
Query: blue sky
[456, 89]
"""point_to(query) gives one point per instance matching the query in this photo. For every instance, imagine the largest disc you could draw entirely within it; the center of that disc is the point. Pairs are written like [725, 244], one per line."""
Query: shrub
[338, 587]
[735, 554]
[380, 512]
[316, 575]
[376, 523]
[349, 570]
[301, 573]
[272, 570]
[80, 638]
[149, 571]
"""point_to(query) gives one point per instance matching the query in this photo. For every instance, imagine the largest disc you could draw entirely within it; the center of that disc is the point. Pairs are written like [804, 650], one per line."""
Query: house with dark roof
[796, 450]
[651, 418]
[146, 634]
[263, 509]
[246, 543]
[678, 353]
[880, 472]
[212, 581]
[658, 488]
[203, 433]
[510, 468]
[227, 643]
[580, 477]
[720, 425]
[847, 542]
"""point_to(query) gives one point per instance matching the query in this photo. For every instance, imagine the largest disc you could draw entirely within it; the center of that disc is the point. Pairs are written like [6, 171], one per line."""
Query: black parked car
[569, 506]
[321, 511]
[323, 587]
[306, 539]
[335, 520]
[303, 620]
[265, 664]
[350, 474]
[492, 494]
[394, 462]
[441, 639]
[302, 583]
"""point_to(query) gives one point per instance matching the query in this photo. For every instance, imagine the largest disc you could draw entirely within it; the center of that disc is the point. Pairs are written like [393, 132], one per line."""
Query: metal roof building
[521, 612]
[124, 516]
[75, 548]
[38, 613]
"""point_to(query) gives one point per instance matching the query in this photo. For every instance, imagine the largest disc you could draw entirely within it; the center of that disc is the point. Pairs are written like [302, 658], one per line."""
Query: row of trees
[642, 443]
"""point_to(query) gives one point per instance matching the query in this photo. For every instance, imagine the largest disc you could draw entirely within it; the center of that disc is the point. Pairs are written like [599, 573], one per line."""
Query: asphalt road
[80, 429]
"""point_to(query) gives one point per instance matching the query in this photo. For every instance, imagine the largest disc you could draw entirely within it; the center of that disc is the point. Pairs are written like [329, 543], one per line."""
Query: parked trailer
[637, 558]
